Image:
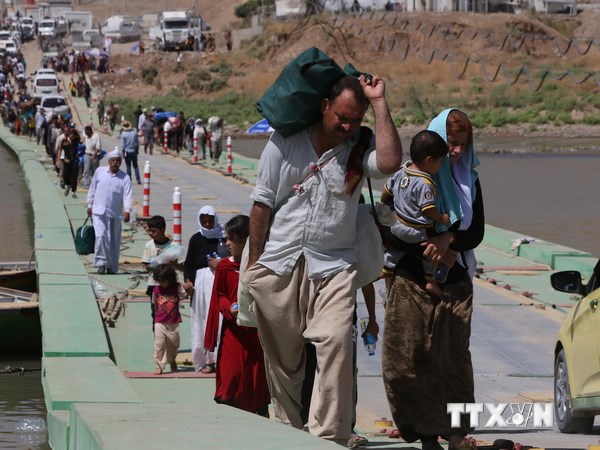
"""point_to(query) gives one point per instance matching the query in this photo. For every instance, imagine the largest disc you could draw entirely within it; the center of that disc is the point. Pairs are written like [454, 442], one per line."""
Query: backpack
[85, 238]
[293, 102]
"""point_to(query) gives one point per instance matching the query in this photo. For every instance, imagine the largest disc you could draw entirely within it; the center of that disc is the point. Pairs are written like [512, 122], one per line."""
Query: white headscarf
[114, 154]
[218, 232]
[456, 185]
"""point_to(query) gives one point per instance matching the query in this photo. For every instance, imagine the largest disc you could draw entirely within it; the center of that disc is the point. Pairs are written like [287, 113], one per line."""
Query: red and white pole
[195, 149]
[105, 123]
[229, 156]
[165, 141]
[91, 118]
[177, 216]
[146, 197]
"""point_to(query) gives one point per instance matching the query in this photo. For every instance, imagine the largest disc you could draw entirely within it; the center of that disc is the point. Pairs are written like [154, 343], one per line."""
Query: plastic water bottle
[212, 255]
[368, 339]
[222, 249]
[440, 273]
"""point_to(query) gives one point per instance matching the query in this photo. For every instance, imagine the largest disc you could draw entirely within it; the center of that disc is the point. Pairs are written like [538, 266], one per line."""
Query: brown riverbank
[513, 139]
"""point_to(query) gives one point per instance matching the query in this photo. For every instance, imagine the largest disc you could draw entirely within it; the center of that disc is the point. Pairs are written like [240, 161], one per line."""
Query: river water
[22, 408]
[548, 196]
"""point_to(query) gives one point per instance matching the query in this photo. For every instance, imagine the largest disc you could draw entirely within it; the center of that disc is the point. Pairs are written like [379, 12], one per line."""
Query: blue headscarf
[456, 183]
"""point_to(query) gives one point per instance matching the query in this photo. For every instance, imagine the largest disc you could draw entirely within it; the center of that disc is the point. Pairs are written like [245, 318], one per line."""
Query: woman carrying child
[166, 297]
[241, 378]
[426, 362]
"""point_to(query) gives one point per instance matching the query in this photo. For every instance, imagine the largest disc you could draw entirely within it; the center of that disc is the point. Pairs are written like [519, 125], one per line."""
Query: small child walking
[166, 297]
[154, 248]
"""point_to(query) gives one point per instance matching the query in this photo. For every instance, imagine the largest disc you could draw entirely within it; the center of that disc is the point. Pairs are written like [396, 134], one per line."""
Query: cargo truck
[178, 30]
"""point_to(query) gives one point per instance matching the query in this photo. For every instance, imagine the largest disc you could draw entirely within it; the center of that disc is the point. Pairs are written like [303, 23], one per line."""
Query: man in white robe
[109, 202]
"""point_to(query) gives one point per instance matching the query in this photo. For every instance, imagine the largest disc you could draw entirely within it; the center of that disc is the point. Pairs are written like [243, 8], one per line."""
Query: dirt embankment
[450, 54]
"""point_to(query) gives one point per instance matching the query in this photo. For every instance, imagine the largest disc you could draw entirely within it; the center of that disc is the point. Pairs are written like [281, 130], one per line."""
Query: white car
[43, 71]
[9, 46]
[45, 84]
[54, 105]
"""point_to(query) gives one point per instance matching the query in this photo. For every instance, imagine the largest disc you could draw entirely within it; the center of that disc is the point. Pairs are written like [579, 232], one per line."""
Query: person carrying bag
[85, 237]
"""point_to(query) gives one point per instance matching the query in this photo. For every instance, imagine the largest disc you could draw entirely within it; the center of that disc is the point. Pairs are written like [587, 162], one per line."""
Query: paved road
[511, 344]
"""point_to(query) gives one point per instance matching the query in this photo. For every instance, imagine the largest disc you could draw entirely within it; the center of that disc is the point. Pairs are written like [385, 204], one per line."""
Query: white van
[45, 84]
[52, 27]
[93, 38]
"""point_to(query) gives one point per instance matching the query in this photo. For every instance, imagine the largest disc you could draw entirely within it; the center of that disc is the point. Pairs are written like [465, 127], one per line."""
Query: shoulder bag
[85, 238]
[369, 246]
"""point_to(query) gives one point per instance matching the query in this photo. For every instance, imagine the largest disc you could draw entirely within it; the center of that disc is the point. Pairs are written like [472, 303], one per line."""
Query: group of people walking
[300, 270]
[294, 259]
[301, 267]
[17, 106]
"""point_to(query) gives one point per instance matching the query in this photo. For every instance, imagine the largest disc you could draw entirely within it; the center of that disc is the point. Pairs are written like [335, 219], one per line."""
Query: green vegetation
[196, 79]
[489, 104]
[221, 68]
[212, 80]
[234, 108]
[499, 104]
[251, 8]
[149, 74]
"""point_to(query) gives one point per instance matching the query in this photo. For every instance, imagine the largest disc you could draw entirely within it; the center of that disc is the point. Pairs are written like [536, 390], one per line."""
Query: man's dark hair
[427, 143]
[350, 83]
[87, 129]
[157, 222]
[238, 228]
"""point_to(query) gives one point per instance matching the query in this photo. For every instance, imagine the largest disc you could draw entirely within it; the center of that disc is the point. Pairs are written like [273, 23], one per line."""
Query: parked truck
[79, 20]
[27, 28]
[52, 27]
[122, 29]
[178, 30]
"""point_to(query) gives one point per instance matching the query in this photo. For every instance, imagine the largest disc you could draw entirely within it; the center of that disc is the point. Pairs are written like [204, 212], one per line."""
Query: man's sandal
[209, 368]
[357, 441]
[457, 442]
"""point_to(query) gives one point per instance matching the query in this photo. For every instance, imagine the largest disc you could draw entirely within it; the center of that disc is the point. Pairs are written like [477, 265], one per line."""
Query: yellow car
[577, 354]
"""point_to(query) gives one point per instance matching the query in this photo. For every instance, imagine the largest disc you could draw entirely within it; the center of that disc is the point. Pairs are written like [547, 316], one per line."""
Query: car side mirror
[568, 281]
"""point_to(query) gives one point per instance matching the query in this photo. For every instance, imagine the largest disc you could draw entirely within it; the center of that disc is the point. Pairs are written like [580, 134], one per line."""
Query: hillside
[218, 14]
[503, 67]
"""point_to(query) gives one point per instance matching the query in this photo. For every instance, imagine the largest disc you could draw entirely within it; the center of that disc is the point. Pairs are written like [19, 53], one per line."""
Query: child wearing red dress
[241, 378]
[166, 296]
